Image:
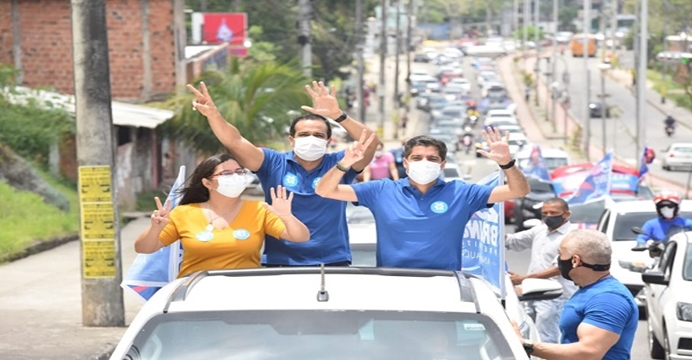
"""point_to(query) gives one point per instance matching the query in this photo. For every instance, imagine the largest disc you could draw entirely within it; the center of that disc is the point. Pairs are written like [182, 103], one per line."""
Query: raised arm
[517, 186]
[325, 104]
[148, 241]
[329, 186]
[295, 231]
[249, 155]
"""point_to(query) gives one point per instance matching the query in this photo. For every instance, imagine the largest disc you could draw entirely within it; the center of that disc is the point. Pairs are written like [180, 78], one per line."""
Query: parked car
[668, 301]
[617, 222]
[312, 313]
[596, 110]
[677, 155]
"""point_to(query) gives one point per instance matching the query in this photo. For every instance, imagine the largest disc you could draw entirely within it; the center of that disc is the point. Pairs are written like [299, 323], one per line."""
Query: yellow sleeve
[170, 233]
[273, 225]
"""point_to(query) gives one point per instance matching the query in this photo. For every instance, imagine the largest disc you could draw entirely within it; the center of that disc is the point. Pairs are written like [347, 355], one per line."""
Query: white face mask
[309, 148]
[232, 185]
[423, 172]
[667, 213]
[378, 153]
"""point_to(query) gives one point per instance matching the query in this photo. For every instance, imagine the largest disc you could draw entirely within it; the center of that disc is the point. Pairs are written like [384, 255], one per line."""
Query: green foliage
[20, 226]
[30, 129]
[256, 98]
[7, 75]
[530, 32]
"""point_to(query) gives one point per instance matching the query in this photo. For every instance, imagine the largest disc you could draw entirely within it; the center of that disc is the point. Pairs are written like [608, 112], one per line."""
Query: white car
[676, 156]
[617, 222]
[669, 301]
[452, 172]
[363, 240]
[552, 158]
[462, 82]
[322, 313]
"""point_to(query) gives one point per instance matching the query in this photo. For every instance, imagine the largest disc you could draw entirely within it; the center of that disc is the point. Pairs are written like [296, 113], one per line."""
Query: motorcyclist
[669, 121]
[667, 207]
[467, 139]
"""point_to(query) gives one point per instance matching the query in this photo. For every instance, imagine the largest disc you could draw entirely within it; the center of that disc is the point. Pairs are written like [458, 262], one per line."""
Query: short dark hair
[424, 140]
[292, 129]
[195, 191]
[560, 201]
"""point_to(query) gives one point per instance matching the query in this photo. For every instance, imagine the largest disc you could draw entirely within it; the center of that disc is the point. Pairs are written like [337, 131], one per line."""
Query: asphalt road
[480, 167]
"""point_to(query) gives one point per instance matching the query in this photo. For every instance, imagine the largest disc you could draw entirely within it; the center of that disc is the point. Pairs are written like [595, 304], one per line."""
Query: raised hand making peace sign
[202, 102]
[356, 151]
[159, 218]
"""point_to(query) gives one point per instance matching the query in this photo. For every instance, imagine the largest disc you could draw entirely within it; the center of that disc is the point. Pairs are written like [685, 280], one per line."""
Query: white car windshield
[321, 334]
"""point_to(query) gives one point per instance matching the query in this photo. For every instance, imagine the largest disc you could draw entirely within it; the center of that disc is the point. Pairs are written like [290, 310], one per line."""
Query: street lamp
[603, 68]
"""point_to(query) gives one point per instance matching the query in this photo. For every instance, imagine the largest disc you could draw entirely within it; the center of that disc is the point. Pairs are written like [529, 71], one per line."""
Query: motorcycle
[467, 142]
[670, 130]
[473, 119]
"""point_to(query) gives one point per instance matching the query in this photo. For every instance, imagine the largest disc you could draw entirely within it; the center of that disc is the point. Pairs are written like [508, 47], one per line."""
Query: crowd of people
[420, 219]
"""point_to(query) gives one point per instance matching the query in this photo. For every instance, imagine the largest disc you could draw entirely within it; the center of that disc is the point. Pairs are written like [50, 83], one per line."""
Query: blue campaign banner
[624, 182]
[150, 272]
[482, 251]
[535, 166]
[597, 184]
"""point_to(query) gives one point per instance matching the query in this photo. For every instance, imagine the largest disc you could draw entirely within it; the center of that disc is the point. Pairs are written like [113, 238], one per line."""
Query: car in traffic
[319, 313]
[677, 156]
[668, 301]
[363, 240]
[596, 110]
[617, 222]
[552, 158]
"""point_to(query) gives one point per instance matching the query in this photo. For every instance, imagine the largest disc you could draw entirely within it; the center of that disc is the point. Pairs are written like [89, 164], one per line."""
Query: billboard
[217, 28]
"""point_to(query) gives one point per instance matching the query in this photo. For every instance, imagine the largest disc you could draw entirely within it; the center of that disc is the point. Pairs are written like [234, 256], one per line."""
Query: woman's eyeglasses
[238, 171]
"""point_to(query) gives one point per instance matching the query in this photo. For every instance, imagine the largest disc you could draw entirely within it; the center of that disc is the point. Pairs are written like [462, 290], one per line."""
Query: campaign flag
[150, 272]
[535, 166]
[646, 159]
[597, 184]
[483, 250]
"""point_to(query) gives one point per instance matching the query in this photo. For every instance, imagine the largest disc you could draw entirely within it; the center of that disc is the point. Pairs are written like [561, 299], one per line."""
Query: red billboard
[226, 27]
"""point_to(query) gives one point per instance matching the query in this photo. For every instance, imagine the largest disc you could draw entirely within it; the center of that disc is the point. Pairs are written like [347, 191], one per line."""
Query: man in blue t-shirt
[667, 208]
[600, 320]
[420, 220]
[299, 171]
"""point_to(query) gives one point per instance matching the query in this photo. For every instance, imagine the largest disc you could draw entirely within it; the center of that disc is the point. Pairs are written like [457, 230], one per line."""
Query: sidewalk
[41, 305]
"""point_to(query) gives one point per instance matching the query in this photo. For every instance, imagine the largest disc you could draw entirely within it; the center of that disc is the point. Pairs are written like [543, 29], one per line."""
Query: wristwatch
[341, 118]
[528, 346]
[508, 165]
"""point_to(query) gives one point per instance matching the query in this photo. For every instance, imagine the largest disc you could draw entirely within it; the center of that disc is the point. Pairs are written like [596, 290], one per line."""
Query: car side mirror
[540, 289]
[531, 223]
[655, 277]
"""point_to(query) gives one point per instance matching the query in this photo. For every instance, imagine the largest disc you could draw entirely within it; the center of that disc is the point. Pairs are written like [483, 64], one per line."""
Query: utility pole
[359, 61]
[515, 16]
[613, 30]
[664, 88]
[383, 56]
[536, 68]
[553, 64]
[604, 113]
[641, 76]
[397, 49]
[304, 37]
[102, 297]
[409, 30]
[586, 111]
[525, 32]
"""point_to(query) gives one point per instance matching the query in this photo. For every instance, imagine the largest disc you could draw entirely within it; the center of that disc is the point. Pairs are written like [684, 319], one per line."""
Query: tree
[258, 99]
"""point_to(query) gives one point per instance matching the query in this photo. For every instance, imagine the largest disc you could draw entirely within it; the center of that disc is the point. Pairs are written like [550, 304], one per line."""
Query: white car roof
[495, 112]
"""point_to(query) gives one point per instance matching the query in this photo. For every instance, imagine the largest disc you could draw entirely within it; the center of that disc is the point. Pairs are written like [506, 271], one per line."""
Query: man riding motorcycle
[670, 125]
[472, 114]
[467, 139]
[667, 207]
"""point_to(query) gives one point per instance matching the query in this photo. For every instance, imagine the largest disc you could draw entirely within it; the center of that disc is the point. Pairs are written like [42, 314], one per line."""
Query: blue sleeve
[368, 192]
[478, 196]
[271, 158]
[649, 229]
[608, 311]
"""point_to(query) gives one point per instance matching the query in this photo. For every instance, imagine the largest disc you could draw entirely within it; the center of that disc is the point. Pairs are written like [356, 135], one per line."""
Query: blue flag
[150, 272]
[644, 161]
[536, 165]
[483, 250]
[597, 184]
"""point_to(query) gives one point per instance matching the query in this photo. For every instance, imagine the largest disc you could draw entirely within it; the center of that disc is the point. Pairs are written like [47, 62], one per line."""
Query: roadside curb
[40, 246]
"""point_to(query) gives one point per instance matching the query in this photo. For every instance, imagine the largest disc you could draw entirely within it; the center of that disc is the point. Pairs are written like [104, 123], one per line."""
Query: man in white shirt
[544, 241]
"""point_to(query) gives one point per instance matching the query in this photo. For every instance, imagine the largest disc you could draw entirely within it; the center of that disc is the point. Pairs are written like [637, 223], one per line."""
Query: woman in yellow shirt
[218, 229]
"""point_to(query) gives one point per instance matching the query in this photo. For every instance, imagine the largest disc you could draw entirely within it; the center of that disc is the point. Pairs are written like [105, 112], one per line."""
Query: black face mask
[565, 266]
[553, 221]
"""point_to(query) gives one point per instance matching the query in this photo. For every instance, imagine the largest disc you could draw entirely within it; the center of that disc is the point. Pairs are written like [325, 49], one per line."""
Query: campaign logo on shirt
[439, 207]
[241, 234]
[290, 180]
[314, 182]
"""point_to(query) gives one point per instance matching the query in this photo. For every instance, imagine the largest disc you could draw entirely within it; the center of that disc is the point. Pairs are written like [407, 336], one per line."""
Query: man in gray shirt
[544, 241]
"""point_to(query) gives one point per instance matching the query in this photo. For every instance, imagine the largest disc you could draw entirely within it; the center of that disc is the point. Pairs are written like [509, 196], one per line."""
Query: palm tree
[258, 99]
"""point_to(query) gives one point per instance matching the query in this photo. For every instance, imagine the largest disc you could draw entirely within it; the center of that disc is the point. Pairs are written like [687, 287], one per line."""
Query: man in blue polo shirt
[421, 219]
[299, 171]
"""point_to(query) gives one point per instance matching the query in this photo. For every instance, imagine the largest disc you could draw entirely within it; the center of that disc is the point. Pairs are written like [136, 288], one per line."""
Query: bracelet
[344, 169]
[342, 117]
[508, 165]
